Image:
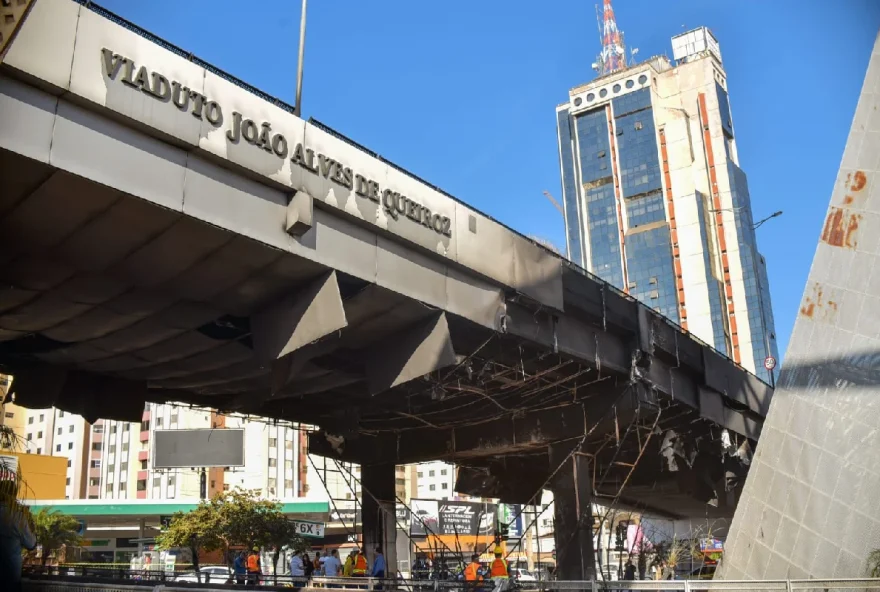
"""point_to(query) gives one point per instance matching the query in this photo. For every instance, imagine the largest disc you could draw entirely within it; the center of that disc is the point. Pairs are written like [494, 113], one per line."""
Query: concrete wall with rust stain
[811, 504]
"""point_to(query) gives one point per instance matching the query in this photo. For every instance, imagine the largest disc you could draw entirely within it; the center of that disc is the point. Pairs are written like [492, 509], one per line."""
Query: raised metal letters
[260, 135]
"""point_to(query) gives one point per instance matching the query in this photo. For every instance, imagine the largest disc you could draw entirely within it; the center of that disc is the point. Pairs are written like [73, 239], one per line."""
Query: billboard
[451, 518]
[177, 449]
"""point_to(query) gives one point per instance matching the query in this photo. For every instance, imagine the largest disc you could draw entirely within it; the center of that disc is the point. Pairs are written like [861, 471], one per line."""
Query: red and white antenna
[613, 56]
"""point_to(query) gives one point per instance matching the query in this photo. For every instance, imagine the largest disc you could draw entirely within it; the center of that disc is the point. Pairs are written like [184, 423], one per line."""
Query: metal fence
[80, 584]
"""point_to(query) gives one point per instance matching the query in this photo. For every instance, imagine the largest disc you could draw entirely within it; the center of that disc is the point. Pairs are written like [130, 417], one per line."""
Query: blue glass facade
[650, 269]
[594, 150]
[645, 210]
[636, 143]
[573, 225]
[762, 331]
[604, 234]
[724, 110]
[714, 284]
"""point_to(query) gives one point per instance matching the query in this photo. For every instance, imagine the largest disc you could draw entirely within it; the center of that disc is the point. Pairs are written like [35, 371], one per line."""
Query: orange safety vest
[252, 563]
[471, 572]
[499, 569]
[360, 565]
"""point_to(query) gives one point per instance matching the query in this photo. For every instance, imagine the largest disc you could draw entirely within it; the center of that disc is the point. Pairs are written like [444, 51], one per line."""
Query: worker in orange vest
[360, 565]
[472, 571]
[253, 566]
[498, 572]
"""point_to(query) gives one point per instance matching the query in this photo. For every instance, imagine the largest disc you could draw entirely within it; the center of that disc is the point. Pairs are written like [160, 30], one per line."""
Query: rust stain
[819, 305]
[841, 228]
[859, 181]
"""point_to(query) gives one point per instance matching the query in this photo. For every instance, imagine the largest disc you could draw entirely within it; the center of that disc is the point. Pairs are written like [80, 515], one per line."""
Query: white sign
[769, 362]
[313, 530]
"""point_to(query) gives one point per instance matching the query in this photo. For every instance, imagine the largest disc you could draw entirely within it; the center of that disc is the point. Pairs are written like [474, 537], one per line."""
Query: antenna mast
[613, 56]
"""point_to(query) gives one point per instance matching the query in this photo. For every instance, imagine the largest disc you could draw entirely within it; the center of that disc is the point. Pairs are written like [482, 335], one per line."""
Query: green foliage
[874, 563]
[53, 530]
[231, 519]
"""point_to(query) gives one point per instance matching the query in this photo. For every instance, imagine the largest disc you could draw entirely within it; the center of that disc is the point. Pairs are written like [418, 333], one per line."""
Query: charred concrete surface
[147, 254]
[809, 507]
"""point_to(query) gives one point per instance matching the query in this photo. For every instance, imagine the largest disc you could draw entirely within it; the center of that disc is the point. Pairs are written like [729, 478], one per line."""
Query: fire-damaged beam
[93, 396]
[506, 434]
[410, 353]
[299, 319]
[654, 351]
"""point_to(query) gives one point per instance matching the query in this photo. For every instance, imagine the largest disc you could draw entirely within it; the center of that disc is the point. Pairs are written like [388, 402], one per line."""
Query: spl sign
[312, 530]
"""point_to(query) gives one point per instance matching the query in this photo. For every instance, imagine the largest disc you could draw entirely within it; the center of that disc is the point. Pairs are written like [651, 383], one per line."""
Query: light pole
[297, 107]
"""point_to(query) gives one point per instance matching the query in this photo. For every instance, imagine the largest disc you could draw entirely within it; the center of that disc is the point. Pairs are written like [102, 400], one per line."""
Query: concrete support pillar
[378, 514]
[573, 521]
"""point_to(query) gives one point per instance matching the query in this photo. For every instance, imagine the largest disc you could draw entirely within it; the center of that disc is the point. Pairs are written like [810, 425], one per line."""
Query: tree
[54, 530]
[241, 516]
[196, 530]
[280, 533]
[874, 563]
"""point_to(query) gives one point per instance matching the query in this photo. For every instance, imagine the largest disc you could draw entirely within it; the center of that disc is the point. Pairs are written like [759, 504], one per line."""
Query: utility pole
[297, 107]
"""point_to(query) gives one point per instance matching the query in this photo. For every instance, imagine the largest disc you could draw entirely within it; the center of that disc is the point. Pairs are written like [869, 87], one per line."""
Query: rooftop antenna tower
[613, 56]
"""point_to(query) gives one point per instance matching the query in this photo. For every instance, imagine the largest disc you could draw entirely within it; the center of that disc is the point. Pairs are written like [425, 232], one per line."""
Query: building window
[226, 487]
[98, 429]
[288, 445]
[39, 435]
[273, 462]
[578, 101]
[643, 79]
[60, 414]
[158, 422]
[616, 88]
[630, 84]
[442, 471]
[29, 437]
[603, 93]
[70, 429]
[30, 421]
[96, 446]
[444, 486]
[125, 447]
[272, 482]
[141, 485]
[157, 481]
[172, 481]
[430, 473]
[96, 464]
[591, 97]
[70, 445]
[41, 417]
[273, 442]
[93, 482]
[143, 465]
[420, 474]
[10, 415]
[59, 431]
[58, 448]
[432, 487]
[69, 463]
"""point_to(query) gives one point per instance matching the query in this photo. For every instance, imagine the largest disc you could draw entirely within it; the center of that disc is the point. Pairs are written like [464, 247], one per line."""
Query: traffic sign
[769, 362]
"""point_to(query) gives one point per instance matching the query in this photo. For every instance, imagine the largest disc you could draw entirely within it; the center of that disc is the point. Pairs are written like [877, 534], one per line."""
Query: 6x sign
[313, 530]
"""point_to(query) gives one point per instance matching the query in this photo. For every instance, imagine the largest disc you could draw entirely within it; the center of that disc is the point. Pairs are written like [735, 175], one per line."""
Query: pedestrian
[296, 569]
[308, 566]
[239, 568]
[499, 572]
[332, 565]
[472, 575]
[629, 571]
[16, 533]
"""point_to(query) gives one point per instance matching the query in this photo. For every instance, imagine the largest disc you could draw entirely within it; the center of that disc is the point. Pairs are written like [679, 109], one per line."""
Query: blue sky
[462, 93]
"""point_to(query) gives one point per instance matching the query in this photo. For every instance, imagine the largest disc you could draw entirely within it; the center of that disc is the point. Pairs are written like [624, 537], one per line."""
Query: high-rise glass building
[655, 201]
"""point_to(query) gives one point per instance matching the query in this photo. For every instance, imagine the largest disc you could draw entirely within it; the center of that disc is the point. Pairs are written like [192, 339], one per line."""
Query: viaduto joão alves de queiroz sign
[239, 128]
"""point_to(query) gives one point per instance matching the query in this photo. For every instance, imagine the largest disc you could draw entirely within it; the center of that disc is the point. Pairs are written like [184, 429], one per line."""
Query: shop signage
[312, 530]
[239, 128]
[452, 518]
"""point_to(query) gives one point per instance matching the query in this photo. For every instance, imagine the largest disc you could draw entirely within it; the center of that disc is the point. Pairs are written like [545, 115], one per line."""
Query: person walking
[297, 573]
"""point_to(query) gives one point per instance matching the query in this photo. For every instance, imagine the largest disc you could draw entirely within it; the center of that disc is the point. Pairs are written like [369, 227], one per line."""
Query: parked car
[523, 575]
[210, 573]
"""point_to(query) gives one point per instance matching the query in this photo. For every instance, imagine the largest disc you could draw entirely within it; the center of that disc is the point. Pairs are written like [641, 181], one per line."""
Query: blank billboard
[221, 447]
